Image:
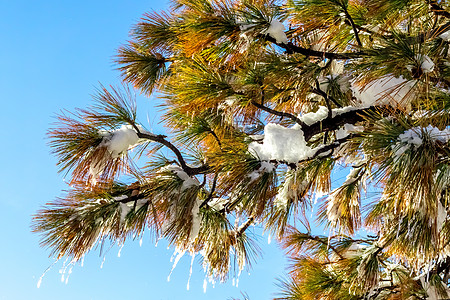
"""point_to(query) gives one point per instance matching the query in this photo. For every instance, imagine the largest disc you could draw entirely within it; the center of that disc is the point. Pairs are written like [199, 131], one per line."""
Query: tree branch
[277, 113]
[244, 226]
[350, 117]
[438, 10]
[355, 30]
[213, 188]
[161, 139]
[291, 48]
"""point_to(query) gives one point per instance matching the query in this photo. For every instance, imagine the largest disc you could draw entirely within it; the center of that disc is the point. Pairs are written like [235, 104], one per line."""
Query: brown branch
[319, 92]
[244, 226]
[161, 139]
[438, 10]
[277, 113]
[213, 188]
[350, 117]
[291, 48]
[355, 30]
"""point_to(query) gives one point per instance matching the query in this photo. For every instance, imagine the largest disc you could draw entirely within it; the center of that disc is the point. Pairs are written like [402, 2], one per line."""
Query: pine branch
[161, 139]
[277, 113]
[355, 30]
[211, 193]
[244, 226]
[350, 117]
[291, 48]
[437, 9]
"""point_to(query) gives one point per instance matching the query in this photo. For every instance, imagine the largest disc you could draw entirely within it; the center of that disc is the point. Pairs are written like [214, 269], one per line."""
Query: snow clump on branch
[276, 31]
[414, 137]
[188, 181]
[282, 144]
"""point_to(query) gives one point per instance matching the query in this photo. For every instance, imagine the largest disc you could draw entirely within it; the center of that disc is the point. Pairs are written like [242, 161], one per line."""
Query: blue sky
[54, 54]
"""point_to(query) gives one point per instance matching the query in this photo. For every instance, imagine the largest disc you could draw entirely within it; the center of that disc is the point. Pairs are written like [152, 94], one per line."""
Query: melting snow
[281, 143]
[445, 36]
[414, 137]
[347, 129]
[389, 90]
[187, 180]
[120, 140]
[276, 30]
[427, 64]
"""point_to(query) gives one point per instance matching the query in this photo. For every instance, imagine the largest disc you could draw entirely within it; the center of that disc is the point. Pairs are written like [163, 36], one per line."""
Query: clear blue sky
[53, 55]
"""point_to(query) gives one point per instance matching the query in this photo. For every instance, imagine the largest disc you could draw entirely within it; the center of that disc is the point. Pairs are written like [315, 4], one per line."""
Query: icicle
[205, 284]
[38, 285]
[82, 261]
[104, 258]
[234, 282]
[62, 271]
[140, 240]
[269, 239]
[178, 255]
[120, 250]
[68, 273]
[190, 269]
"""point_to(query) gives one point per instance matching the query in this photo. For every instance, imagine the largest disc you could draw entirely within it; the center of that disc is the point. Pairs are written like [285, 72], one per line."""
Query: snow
[125, 208]
[333, 211]
[282, 144]
[120, 140]
[196, 220]
[445, 36]
[276, 30]
[344, 131]
[432, 291]
[388, 90]
[322, 113]
[355, 249]
[314, 117]
[414, 137]
[441, 215]
[426, 64]
[286, 192]
[343, 81]
[266, 167]
[352, 177]
[188, 181]
[217, 203]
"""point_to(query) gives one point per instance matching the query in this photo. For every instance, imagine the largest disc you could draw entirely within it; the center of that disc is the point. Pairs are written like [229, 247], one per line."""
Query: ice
[38, 285]
[276, 30]
[120, 250]
[177, 255]
[190, 269]
[282, 144]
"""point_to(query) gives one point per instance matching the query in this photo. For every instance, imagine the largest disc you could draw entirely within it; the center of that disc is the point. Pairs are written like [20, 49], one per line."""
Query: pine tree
[264, 100]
